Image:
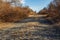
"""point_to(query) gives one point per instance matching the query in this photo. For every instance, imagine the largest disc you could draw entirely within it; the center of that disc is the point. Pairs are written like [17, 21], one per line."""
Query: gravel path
[30, 31]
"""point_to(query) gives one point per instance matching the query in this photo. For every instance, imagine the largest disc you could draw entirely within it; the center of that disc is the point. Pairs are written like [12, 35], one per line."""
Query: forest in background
[9, 13]
[12, 14]
[52, 11]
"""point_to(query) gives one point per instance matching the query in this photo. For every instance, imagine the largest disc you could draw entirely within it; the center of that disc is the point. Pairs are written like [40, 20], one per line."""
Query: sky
[36, 5]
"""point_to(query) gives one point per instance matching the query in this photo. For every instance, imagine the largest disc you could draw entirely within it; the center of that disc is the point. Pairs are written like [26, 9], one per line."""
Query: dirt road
[28, 29]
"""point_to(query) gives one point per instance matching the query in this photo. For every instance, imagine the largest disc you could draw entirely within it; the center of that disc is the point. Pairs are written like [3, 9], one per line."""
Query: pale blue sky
[37, 5]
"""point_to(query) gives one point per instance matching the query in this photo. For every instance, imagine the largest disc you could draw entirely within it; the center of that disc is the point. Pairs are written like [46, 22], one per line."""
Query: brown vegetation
[53, 11]
[43, 11]
[12, 14]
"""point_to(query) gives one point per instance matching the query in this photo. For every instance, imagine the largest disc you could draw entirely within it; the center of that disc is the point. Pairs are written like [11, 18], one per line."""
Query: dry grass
[6, 25]
[11, 25]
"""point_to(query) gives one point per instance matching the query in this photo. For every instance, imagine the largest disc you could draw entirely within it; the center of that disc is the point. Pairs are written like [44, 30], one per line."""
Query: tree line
[13, 14]
[52, 11]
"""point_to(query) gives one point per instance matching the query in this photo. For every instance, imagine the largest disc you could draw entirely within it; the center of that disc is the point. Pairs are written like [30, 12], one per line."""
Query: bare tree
[14, 2]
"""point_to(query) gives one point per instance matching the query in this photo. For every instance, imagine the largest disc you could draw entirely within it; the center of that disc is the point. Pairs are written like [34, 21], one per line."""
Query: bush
[11, 14]
[52, 11]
